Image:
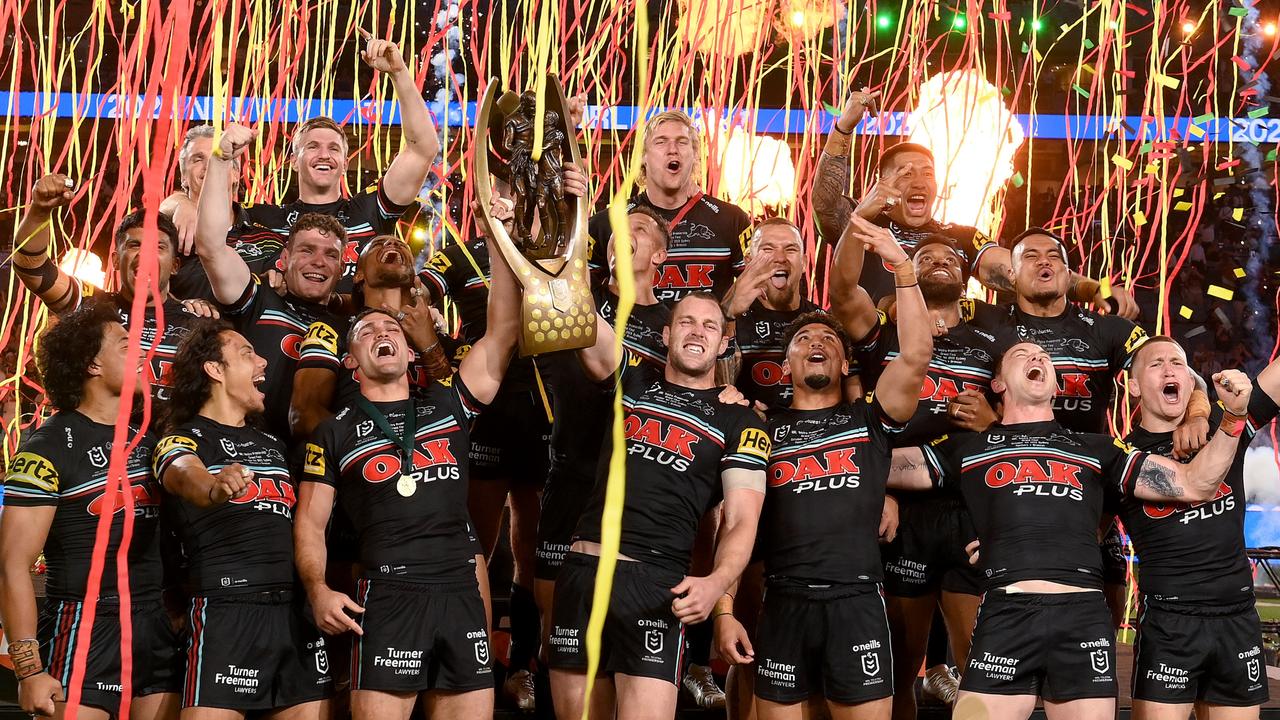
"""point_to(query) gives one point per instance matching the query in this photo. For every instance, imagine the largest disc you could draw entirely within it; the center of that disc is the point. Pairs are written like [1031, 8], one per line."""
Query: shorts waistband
[1028, 599]
[625, 568]
[269, 596]
[135, 602]
[1200, 609]
[791, 587]
[411, 586]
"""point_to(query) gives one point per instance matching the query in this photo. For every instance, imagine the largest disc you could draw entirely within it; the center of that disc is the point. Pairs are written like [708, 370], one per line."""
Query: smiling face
[109, 363]
[1026, 376]
[815, 358]
[1161, 380]
[195, 164]
[243, 373]
[648, 249]
[129, 257]
[919, 187]
[378, 349]
[1040, 271]
[781, 246]
[320, 159]
[386, 262]
[938, 270]
[312, 264]
[670, 153]
[695, 336]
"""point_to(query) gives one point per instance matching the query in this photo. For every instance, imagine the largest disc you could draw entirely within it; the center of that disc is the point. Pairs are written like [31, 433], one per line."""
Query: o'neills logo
[671, 446]
[830, 470]
[1221, 502]
[1052, 478]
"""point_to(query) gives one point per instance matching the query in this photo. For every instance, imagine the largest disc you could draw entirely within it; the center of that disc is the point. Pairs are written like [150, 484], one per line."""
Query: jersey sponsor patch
[34, 470]
[313, 460]
[754, 441]
[323, 336]
[170, 443]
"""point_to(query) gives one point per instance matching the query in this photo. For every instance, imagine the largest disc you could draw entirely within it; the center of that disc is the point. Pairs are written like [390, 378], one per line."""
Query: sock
[699, 638]
[525, 629]
[936, 651]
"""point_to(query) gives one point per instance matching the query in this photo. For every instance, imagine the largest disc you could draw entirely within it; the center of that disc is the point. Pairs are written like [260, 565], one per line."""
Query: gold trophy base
[557, 312]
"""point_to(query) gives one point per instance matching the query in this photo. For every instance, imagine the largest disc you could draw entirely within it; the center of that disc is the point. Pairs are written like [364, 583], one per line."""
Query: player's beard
[384, 276]
[817, 381]
[940, 293]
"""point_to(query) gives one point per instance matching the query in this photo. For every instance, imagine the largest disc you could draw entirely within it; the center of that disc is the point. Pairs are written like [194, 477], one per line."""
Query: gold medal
[406, 486]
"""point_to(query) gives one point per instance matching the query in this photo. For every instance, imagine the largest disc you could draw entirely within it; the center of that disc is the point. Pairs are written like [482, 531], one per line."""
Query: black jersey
[275, 326]
[705, 252]
[827, 474]
[424, 536]
[1087, 350]
[461, 273]
[679, 441]
[877, 277]
[164, 343]
[257, 246]
[1194, 553]
[245, 543]
[759, 334]
[1036, 491]
[325, 345]
[364, 215]
[64, 464]
[580, 406]
[963, 359]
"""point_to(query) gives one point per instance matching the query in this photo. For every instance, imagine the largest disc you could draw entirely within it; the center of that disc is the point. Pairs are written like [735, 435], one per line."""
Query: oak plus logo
[1038, 476]
[830, 470]
[669, 445]
[1223, 501]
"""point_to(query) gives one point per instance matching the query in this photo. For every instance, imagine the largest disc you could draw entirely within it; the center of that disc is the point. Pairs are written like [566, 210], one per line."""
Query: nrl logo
[653, 641]
[871, 664]
[482, 652]
[98, 457]
[364, 428]
[1099, 661]
[228, 446]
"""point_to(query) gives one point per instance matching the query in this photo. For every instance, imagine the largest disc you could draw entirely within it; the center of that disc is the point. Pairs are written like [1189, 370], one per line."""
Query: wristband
[836, 127]
[1232, 424]
[904, 273]
[715, 615]
[25, 653]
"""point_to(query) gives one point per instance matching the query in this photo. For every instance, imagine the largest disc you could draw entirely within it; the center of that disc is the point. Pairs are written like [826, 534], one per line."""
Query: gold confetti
[1185, 312]
[1220, 292]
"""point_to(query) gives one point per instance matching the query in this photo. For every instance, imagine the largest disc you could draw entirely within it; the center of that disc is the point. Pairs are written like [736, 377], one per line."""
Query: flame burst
[756, 171]
[725, 28]
[963, 120]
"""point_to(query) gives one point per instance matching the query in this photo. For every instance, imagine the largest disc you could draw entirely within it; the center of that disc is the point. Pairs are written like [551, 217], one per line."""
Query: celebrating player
[232, 501]
[54, 493]
[1036, 490]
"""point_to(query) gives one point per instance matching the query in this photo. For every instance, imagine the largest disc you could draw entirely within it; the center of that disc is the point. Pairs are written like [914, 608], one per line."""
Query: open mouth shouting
[1036, 374]
[916, 204]
[1172, 392]
[384, 349]
[780, 278]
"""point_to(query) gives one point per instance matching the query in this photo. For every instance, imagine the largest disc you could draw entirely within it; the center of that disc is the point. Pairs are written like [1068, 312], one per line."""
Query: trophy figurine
[557, 312]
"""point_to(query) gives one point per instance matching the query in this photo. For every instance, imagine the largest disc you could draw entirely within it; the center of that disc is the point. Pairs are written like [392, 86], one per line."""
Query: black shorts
[157, 649]
[420, 636]
[1185, 654]
[832, 641]
[641, 635]
[563, 501]
[1115, 564]
[1058, 646]
[512, 440]
[928, 553]
[254, 651]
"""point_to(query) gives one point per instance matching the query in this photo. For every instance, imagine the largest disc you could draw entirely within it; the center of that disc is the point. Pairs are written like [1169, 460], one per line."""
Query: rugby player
[54, 494]
[231, 497]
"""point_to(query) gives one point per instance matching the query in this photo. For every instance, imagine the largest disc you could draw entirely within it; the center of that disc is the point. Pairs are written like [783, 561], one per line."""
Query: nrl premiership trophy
[558, 312]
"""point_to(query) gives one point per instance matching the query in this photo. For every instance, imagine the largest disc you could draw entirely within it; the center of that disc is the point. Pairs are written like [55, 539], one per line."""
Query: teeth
[695, 349]
[313, 277]
[1034, 373]
[780, 273]
[390, 256]
[384, 349]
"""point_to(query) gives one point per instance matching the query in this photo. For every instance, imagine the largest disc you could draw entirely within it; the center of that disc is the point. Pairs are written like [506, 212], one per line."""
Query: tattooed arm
[1160, 478]
[908, 471]
[831, 208]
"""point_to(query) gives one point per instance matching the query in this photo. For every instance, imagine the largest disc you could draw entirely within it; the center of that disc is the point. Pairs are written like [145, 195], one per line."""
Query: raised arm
[37, 270]
[227, 271]
[1160, 479]
[908, 471]
[311, 556]
[419, 142]
[312, 399]
[23, 531]
[486, 363]
[850, 303]
[831, 209]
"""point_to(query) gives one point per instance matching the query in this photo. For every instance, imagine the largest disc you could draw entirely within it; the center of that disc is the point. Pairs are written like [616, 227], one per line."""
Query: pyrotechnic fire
[963, 120]
[756, 171]
[84, 266]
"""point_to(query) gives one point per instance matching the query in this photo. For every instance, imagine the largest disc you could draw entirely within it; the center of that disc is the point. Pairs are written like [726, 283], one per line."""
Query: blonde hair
[317, 123]
[678, 117]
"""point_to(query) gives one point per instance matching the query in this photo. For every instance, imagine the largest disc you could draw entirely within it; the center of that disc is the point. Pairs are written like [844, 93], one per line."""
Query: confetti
[1122, 161]
[1185, 312]
[1240, 273]
[1220, 292]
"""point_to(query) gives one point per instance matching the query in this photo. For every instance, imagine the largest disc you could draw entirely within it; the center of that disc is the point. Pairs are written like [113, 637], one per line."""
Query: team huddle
[317, 471]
